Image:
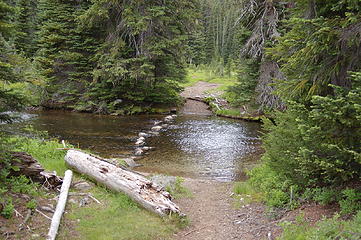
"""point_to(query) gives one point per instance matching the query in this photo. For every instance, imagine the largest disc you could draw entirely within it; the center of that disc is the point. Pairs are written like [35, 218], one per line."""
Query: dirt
[214, 214]
[37, 225]
[197, 91]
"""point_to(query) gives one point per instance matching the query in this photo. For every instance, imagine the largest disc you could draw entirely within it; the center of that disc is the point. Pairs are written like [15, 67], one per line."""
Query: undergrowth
[333, 228]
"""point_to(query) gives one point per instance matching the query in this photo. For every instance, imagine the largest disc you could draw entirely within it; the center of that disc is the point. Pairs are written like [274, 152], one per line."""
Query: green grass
[245, 194]
[44, 151]
[195, 75]
[118, 217]
[178, 190]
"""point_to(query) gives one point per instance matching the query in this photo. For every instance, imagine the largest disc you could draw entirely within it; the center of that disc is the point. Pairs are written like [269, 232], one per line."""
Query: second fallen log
[119, 179]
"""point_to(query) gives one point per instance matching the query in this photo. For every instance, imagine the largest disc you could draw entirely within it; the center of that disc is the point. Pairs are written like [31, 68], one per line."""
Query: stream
[193, 146]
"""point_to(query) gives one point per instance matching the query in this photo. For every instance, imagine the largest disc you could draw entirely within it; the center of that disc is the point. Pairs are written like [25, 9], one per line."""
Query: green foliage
[32, 204]
[333, 228]
[313, 146]
[22, 184]
[318, 50]
[243, 91]
[351, 201]
[276, 190]
[178, 190]
[8, 208]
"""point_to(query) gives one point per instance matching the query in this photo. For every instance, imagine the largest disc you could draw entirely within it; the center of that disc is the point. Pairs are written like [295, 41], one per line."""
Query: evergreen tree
[26, 26]
[65, 51]
[142, 60]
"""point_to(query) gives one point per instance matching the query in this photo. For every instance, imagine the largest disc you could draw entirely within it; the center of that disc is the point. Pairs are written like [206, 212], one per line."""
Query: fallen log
[55, 221]
[120, 179]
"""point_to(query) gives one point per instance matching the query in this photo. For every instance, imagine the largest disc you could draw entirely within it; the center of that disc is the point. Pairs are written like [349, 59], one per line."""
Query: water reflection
[194, 146]
[205, 146]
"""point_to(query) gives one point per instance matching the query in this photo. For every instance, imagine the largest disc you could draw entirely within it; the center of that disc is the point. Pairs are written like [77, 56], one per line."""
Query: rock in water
[156, 128]
[131, 162]
[139, 142]
[138, 152]
[142, 134]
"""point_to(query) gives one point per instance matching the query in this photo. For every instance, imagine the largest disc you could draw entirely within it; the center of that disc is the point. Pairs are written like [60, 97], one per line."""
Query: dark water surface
[192, 146]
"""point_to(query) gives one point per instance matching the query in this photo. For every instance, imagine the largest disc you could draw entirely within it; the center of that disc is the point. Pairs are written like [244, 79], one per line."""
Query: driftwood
[55, 222]
[31, 168]
[120, 179]
[26, 165]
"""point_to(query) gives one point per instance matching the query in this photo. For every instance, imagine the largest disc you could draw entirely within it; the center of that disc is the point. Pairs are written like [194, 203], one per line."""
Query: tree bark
[55, 222]
[119, 179]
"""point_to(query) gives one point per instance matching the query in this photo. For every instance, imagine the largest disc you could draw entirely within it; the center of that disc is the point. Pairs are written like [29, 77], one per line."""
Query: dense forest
[297, 62]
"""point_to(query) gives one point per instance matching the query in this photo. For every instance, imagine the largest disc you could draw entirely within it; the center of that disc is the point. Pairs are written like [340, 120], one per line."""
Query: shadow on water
[193, 146]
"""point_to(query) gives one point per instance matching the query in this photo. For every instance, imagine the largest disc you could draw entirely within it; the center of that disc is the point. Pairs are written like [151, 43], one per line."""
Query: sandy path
[209, 211]
[197, 90]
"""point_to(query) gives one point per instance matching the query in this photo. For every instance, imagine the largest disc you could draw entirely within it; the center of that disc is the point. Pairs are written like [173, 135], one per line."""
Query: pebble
[168, 118]
[141, 138]
[139, 142]
[157, 122]
[142, 134]
[47, 208]
[156, 128]
[138, 152]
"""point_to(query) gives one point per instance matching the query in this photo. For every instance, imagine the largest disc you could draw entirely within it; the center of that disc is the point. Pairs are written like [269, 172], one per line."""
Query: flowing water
[192, 146]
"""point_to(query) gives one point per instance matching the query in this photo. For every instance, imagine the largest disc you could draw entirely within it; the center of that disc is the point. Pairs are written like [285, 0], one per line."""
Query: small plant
[178, 190]
[8, 209]
[22, 184]
[351, 201]
[32, 204]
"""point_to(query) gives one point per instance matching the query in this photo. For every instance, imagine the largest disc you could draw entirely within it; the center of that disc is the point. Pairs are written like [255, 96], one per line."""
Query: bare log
[55, 222]
[26, 165]
[120, 179]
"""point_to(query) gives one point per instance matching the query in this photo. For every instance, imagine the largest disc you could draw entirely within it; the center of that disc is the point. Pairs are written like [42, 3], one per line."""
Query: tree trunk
[119, 179]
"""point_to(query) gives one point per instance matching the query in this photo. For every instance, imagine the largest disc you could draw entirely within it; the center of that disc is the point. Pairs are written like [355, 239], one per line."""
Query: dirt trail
[209, 211]
[197, 90]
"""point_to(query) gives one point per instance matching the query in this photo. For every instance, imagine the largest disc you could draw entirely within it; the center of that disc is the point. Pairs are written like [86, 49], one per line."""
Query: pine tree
[65, 50]
[26, 26]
